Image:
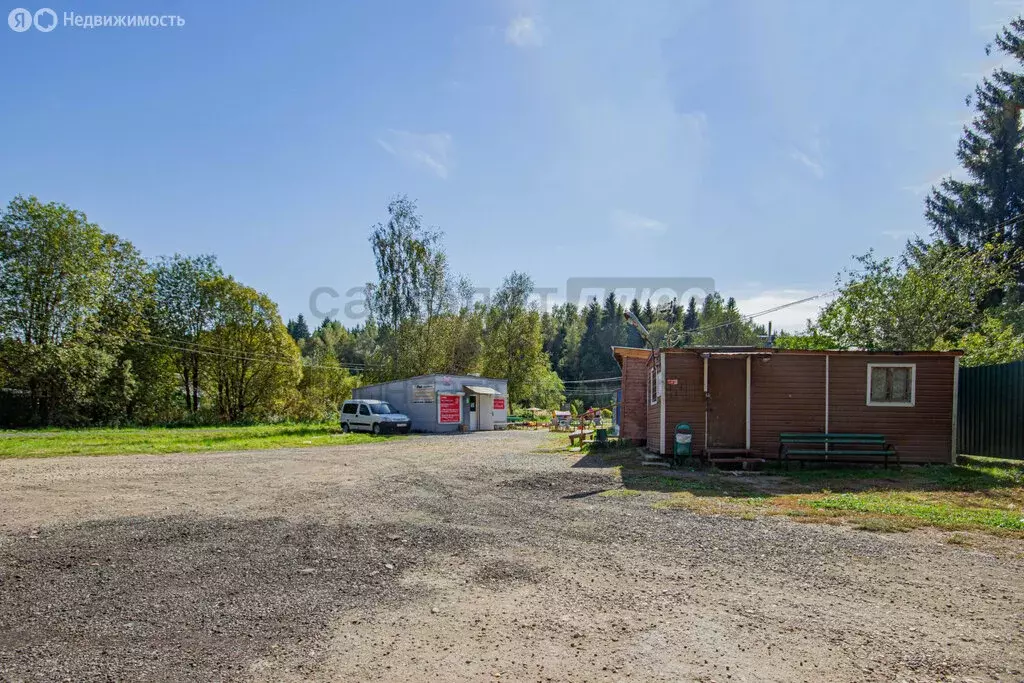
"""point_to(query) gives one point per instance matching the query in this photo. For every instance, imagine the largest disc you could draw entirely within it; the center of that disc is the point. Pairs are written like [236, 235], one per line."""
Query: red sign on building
[499, 403]
[449, 409]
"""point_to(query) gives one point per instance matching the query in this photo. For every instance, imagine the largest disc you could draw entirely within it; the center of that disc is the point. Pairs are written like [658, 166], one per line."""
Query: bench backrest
[831, 438]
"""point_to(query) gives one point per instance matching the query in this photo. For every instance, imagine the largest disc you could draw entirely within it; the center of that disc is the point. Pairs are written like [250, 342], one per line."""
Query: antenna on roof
[769, 339]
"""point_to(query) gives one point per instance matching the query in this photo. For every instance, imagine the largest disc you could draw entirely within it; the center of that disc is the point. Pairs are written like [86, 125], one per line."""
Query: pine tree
[298, 329]
[592, 348]
[648, 315]
[981, 209]
[634, 308]
[690, 320]
[633, 337]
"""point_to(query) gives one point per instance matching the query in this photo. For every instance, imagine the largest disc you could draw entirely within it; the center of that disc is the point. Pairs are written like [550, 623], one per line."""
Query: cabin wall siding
[922, 433]
[685, 398]
[787, 394]
[634, 399]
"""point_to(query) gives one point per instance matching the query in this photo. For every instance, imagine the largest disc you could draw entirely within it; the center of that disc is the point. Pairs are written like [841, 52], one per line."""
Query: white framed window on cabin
[892, 384]
[652, 391]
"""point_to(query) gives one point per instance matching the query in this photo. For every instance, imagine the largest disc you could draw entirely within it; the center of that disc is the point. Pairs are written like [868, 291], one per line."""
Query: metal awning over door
[479, 390]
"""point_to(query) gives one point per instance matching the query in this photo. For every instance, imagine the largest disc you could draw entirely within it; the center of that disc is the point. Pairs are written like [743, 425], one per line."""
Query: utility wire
[767, 311]
[274, 357]
[588, 381]
[231, 356]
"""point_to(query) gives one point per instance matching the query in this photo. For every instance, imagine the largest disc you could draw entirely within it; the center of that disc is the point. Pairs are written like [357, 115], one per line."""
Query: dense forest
[93, 333]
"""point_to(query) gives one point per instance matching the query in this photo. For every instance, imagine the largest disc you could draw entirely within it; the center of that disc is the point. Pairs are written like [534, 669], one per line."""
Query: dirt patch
[187, 598]
[504, 562]
[502, 573]
[559, 482]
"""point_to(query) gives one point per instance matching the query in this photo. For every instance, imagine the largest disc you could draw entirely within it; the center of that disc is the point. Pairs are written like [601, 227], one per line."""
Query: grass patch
[51, 442]
[556, 442]
[945, 514]
[744, 507]
[976, 494]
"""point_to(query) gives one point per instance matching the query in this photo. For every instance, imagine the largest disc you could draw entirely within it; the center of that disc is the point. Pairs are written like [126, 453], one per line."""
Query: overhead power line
[767, 311]
[233, 356]
[589, 381]
[198, 346]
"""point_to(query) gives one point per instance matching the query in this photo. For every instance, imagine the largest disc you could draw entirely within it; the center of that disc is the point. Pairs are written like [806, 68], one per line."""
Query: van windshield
[382, 408]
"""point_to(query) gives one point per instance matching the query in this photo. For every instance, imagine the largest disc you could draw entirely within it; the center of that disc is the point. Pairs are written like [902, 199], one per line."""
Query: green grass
[978, 493]
[51, 442]
[947, 514]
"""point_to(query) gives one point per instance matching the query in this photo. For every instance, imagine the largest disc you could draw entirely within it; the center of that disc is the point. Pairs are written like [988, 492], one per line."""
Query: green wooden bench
[835, 447]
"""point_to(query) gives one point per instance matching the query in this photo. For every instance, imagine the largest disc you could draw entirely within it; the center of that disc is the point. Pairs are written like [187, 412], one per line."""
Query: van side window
[349, 409]
[363, 409]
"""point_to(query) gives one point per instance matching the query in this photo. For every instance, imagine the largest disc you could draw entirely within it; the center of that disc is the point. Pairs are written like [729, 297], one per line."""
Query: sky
[759, 144]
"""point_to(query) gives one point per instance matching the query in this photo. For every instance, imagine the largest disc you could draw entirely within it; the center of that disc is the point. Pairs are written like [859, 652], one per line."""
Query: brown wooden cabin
[740, 399]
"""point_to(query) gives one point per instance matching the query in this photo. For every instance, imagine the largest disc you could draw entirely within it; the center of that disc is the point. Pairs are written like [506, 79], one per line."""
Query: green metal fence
[990, 414]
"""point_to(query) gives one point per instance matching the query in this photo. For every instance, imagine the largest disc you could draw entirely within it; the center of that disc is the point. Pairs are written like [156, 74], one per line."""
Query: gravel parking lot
[465, 558]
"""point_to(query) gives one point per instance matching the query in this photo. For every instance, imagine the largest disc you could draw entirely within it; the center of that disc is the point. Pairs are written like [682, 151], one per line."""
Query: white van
[370, 415]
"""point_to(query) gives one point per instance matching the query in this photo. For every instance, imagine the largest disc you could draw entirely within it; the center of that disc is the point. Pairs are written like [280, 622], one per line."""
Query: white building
[441, 403]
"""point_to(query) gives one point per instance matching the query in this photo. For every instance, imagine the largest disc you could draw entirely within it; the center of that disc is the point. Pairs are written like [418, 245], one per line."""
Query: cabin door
[727, 403]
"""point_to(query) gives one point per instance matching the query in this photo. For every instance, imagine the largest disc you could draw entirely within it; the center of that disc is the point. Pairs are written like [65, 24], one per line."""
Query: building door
[485, 412]
[727, 405]
[472, 413]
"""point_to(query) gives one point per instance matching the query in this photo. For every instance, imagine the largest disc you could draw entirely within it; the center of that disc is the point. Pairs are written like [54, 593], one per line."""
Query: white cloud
[524, 32]
[812, 164]
[791, 319]
[431, 151]
[634, 223]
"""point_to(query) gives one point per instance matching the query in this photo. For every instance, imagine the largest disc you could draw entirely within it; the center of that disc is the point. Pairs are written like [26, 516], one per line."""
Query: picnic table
[579, 434]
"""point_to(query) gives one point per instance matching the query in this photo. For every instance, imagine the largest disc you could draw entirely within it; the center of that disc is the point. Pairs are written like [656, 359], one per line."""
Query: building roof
[622, 352]
[468, 378]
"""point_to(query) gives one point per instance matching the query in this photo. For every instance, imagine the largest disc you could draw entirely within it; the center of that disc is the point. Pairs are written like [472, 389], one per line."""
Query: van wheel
[376, 429]
[345, 428]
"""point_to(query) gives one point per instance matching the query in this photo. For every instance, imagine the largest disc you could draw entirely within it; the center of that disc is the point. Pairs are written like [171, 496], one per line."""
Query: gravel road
[465, 557]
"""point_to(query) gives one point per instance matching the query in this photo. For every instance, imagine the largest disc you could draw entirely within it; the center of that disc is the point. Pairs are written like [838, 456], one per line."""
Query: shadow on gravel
[1001, 479]
[595, 460]
[193, 599]
[584, 494]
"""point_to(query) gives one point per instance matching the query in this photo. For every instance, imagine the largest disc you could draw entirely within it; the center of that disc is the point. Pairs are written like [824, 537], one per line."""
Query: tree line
[93, 333]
